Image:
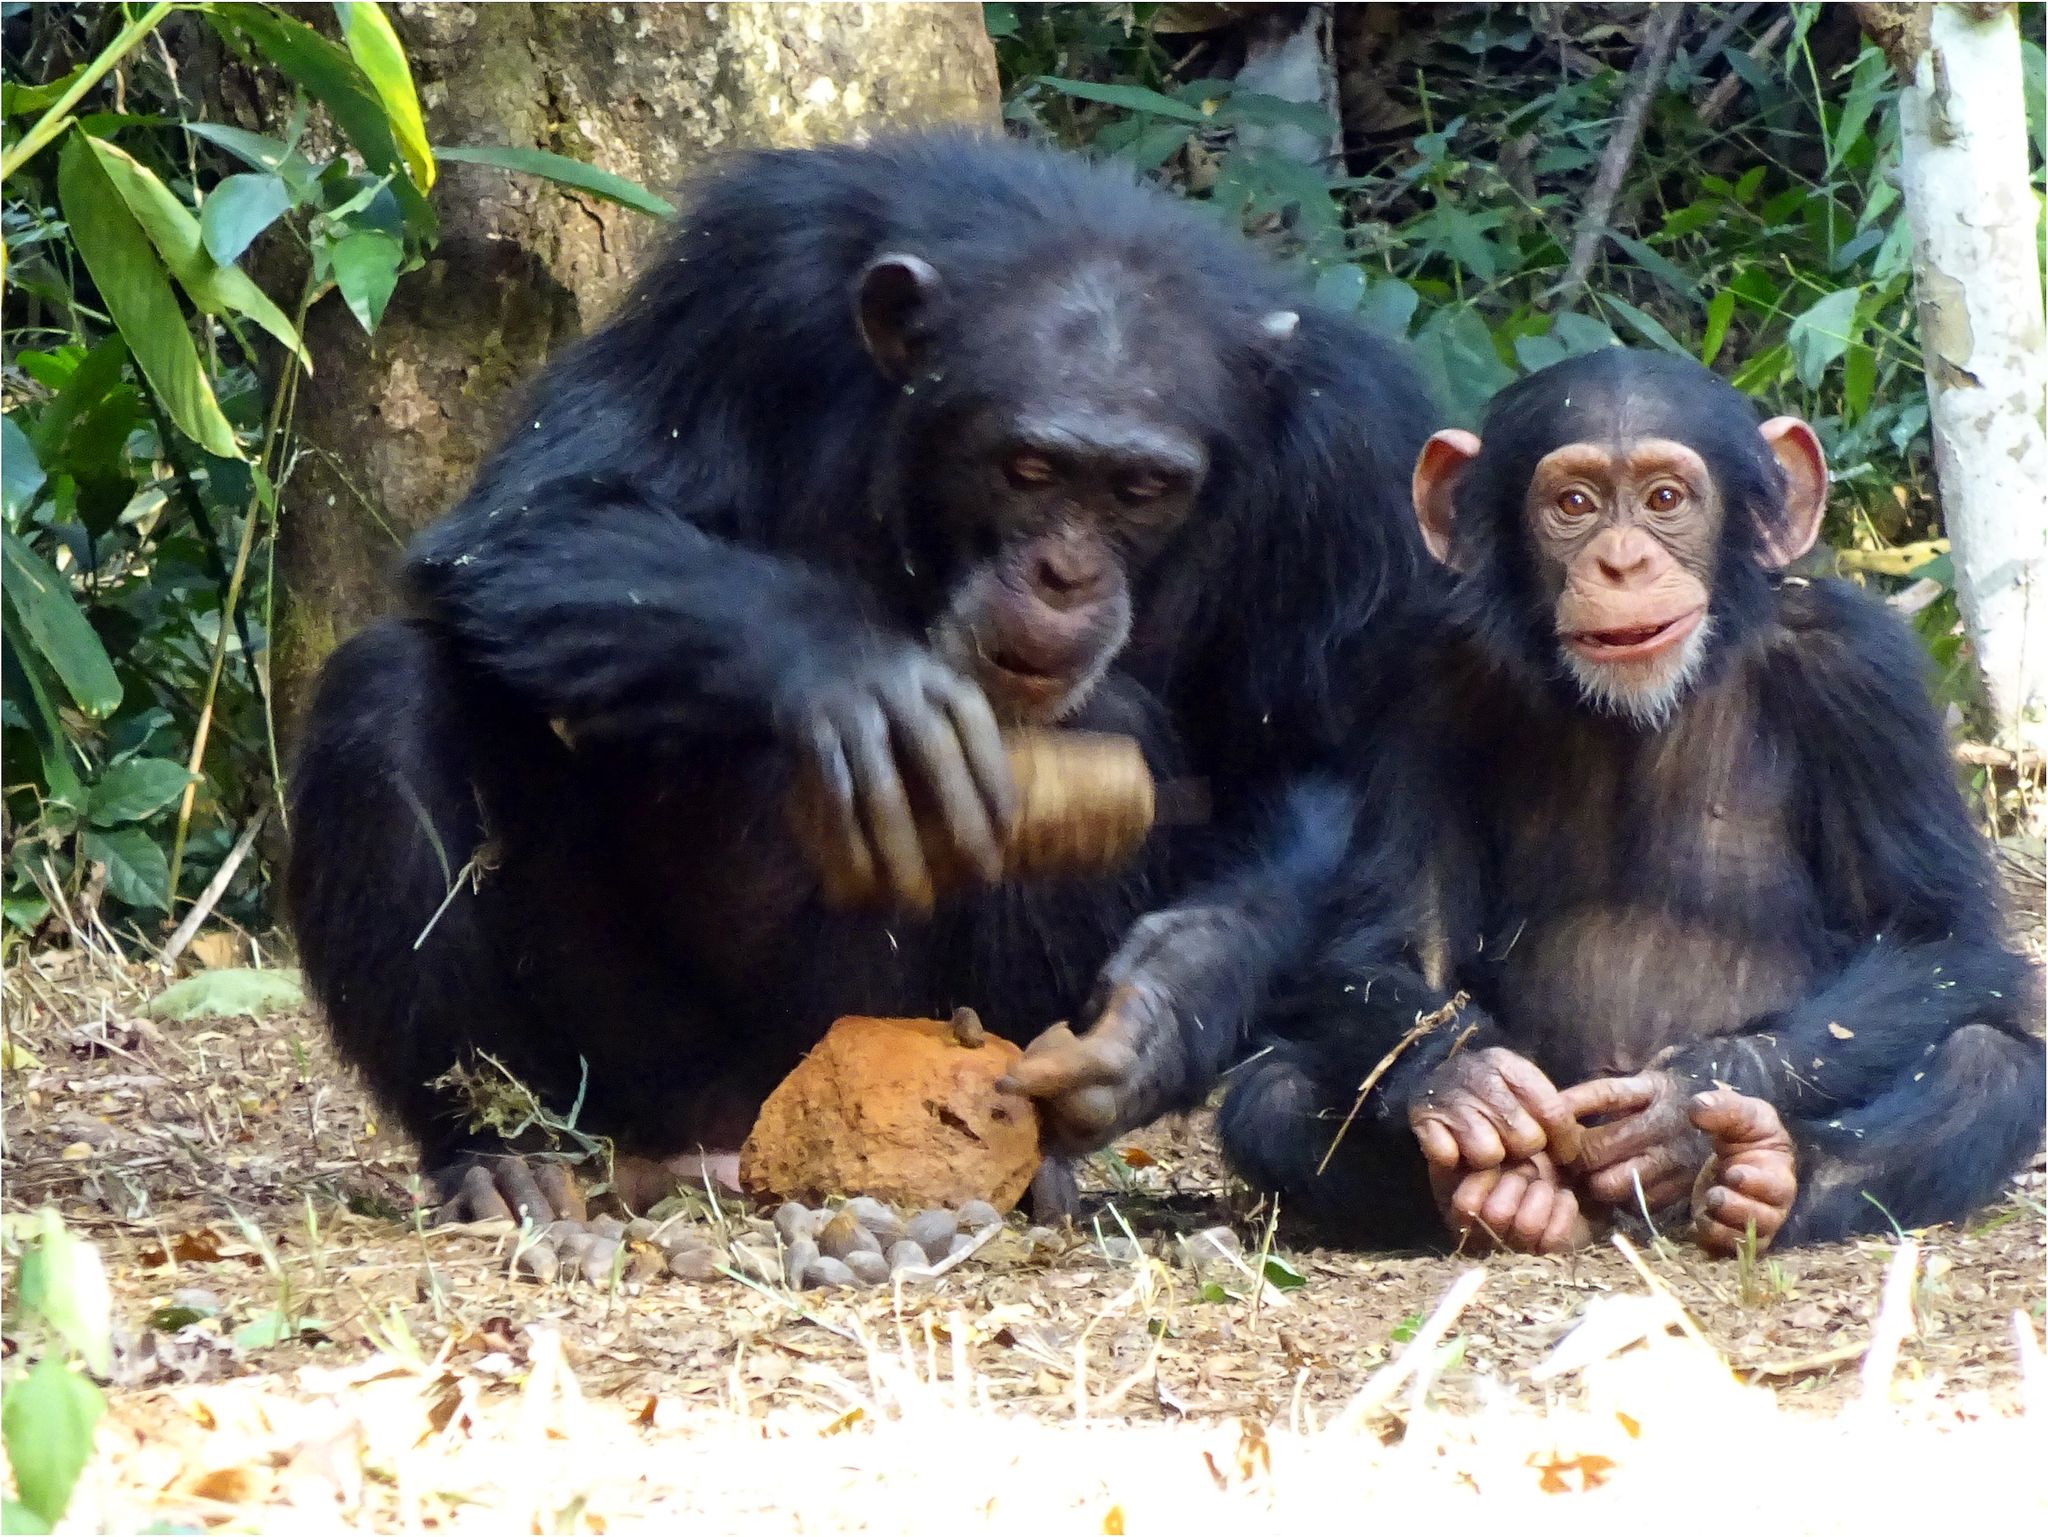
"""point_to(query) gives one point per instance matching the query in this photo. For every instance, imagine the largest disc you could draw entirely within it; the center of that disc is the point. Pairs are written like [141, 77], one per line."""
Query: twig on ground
[1415, 1360]
[216, 888]
[1646, 75]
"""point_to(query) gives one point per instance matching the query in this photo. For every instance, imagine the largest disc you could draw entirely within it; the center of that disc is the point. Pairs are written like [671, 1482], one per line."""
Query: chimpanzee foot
[1055, 1193]
[480, 1187]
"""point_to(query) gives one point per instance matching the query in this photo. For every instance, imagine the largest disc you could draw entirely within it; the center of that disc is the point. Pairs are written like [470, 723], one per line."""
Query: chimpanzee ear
[1445, 458]
[890, 305]
[1799, 455]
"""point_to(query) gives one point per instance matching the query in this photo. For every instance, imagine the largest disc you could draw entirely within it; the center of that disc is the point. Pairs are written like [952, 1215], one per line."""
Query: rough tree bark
[391, 428]
[1977, 276]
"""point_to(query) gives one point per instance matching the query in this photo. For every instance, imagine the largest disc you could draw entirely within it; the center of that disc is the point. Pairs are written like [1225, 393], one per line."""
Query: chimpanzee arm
[1902, 875]
[616, 616]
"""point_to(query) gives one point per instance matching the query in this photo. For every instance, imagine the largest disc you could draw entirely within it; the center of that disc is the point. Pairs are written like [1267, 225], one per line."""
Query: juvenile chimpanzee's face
[1622, 508]
[1053, 443]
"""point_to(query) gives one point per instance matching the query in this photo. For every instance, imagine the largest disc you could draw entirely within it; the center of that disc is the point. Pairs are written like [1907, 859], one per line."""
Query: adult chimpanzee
[890, 448]
[1685, 833]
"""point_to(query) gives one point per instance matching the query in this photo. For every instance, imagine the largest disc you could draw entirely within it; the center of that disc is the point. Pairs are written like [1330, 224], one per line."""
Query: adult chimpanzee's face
[1620, 504]
[1047, 457]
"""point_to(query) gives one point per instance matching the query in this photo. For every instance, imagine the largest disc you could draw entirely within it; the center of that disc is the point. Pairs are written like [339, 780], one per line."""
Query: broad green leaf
[1658, 265]
[137, 294]
[239, 209]
[1538, 352]
[137, 871]
[63, 1280]
[1872, 78]
[48, 1420]
[1822, 333]
[1720, 310]
[1259, 110]
[58, 630]
[1647, 327]
[381, 58]
[272, 155]
[227, 993]
[130, 791]
[1132, 98]
[1389, 305]
[25, 683]
[1341, 287]
[176, 234]
[84, 390]
[21, 474]
[333, 79]
[1859, 379]
[16, 1517]
[366, 270]
[1282, 1276]
[18, 100]
[1582, 333]
[570, 173]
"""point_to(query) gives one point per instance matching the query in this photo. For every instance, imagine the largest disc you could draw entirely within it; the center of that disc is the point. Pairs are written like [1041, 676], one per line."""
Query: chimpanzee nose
[1067, 573]
[1624, 555]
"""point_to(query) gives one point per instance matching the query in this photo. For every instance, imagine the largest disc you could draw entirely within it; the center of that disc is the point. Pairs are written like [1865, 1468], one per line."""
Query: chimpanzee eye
[1664, 498]
[1575, 504]
[1145, 487]
[1028, 469]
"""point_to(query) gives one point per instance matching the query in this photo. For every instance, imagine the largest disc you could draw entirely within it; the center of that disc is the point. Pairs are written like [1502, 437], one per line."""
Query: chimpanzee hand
[875, 732]
[1752, 1177]
[1483, 1109]
[1653, 1139]
[1524, 1207]
[478, 1187]
[1176, 972]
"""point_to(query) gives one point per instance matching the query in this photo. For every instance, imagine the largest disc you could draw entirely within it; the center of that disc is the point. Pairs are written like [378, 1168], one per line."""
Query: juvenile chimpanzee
[1685, 833]
[891, 448]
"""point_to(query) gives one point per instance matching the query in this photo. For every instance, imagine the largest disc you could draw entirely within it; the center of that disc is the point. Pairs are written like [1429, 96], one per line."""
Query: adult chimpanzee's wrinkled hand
[1482, 1109]
[1646, 1138]
[902, 776]
[1176, 972]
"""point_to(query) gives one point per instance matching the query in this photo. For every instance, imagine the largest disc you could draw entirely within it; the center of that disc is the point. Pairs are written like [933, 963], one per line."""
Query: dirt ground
[290, 1340]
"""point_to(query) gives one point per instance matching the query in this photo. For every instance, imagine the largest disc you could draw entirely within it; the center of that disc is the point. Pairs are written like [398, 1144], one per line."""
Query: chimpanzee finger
[476, 1199]
[981, 744]
[1543, 1122]
[1531, 1220]
[1439, 1144]
[1740, 1119]
[846, 864]
[1661, 1172]
[522, 1192]
[1567, 1229]
[924, 731]
[1604, 1147]
[1723, 1226]
[885, 809]
[1479, 1143]
[1059, 1062]
[1609, 1096]
[1498, 1212]
[1771, 1181]
[558, 1188]
[1476, 1191]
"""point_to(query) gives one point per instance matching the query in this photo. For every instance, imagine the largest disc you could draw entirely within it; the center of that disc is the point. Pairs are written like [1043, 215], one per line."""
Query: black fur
[1785, 860]
[704, 503]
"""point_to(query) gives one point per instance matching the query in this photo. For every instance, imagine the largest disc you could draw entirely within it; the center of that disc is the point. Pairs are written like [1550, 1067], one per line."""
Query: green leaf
[333, 80]
[18, 100]
[84, 390]
[130, 791]
[1859, 379]
[1658, 265]
[227, 993]
[21, 474]
[239, 209]
[137, 871]
[1720, 310]
[570, 173]
[381, 58]
[1389, 305]
[178, 239]
[1132, 98]
[48, 1419]
[58, 630]
[1822, 333]
[1282, 1276]
[273, 1326]
[1646, 326]
[366, 270]
[272, 155]
[136, 293]
[1579, 334]
[16, 1517]
[1341, 287]
[63, 1282]
[23, 678]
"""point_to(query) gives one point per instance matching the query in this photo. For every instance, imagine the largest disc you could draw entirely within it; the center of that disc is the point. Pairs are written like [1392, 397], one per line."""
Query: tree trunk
[1977, 277]
[390, 428]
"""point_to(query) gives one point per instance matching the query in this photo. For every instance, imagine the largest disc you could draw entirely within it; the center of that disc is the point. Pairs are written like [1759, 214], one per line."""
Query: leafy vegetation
[61, 1310]
[160, 267]
[1760, 228]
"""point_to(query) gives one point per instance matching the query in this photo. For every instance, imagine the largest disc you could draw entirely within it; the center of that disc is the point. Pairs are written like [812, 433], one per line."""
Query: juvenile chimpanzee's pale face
[1625, 536]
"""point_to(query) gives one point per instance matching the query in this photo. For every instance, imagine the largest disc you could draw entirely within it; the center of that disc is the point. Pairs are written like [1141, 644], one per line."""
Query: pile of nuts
[865, 1243]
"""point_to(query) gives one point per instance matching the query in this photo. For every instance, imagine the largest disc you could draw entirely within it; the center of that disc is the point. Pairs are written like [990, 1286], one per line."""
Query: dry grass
[426, 1387]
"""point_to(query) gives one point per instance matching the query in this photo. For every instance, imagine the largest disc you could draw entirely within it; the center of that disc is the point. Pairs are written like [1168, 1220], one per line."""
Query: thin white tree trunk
[1977, 272]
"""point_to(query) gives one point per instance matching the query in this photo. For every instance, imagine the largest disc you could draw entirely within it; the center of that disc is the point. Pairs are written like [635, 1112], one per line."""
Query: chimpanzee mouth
[1635, 642]
[1016, 674]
